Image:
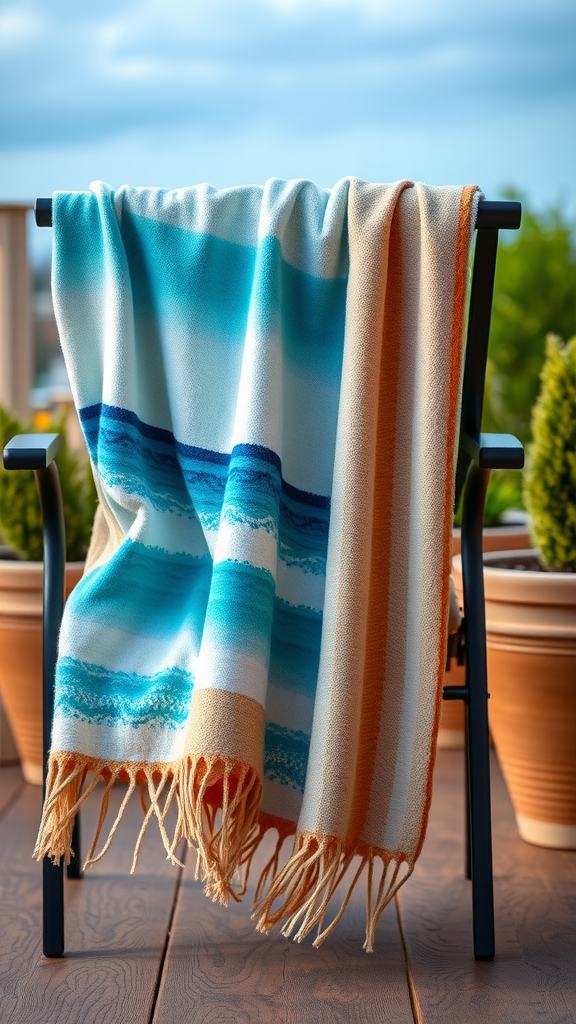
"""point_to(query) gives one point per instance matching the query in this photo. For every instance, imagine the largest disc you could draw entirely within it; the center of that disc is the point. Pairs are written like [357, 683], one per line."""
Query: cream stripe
[427, 333]
[439, 504]
[415, 620]
[378, 636]
[426, 614]
[460, 255]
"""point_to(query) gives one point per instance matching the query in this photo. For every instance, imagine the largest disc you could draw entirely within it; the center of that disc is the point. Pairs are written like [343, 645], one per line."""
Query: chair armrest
[494, 451]
[31, 451]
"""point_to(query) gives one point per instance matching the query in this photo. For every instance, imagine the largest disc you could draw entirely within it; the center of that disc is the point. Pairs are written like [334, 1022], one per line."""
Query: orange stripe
[462, 262]
[379, 585]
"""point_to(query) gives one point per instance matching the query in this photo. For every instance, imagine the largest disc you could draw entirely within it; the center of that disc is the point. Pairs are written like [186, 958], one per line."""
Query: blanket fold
[268, 381]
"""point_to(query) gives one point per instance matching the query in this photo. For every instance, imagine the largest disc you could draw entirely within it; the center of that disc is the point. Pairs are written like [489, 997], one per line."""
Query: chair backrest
[492, 217]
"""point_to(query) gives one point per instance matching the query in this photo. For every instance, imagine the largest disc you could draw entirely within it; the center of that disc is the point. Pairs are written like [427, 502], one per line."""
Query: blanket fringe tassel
[200, 786]
[310, 878]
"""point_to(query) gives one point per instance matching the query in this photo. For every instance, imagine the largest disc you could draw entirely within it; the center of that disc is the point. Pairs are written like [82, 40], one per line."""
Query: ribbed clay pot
[531, 641]
[496, 538]
[21, 655]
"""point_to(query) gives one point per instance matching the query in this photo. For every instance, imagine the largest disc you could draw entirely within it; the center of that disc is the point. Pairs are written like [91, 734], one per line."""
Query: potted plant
[531, 623]
[21, 577]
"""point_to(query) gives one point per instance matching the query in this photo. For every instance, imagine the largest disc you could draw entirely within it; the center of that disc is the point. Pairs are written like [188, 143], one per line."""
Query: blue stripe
[286, 756]
[242, 488]
[91, 417]
[295, 648]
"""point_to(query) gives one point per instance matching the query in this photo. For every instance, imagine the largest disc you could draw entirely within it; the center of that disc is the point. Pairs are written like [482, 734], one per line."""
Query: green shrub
[20, 518]
[550, 488]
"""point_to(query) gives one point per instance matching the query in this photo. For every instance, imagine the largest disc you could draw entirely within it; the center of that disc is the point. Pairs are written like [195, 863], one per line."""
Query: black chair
[478, 455]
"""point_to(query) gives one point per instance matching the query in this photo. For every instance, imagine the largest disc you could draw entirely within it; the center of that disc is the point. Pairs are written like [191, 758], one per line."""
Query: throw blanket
[268, 382]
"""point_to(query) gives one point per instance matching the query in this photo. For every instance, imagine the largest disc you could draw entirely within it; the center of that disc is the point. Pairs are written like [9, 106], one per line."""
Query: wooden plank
[11, 783]
[538, 888]
[544, 918]
[116, 926]
[220, 970]
[532, 978]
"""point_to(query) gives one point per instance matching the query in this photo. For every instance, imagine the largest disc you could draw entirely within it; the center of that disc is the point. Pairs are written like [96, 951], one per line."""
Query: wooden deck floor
[150, 949]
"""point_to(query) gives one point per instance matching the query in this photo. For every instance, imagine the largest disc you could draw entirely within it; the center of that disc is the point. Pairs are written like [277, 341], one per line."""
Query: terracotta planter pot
[531, 640]
[496, 538]
[21, 655]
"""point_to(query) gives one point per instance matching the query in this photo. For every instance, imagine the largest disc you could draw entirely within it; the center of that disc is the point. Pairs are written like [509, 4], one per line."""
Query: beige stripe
[401, 443]
[336, 733]
[229, 725]
[429, 276]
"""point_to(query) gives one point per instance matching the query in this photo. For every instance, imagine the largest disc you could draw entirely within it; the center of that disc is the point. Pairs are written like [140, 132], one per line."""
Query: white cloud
[17, 27]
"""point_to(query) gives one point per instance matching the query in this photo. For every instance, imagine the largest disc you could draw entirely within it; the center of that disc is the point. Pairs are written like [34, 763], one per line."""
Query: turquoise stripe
[206, 285]
[92, 693]
[146, 591]
[304, 535]
[245, 615]
[213, 283]
[306, 312]
[140, 466]
[79, 243]
[239, 614]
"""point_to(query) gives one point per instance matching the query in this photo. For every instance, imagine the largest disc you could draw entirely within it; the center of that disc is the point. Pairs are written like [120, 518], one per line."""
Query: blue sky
[172, 92]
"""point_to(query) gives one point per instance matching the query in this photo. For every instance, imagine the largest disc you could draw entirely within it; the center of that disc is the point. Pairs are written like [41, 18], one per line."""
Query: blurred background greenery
[534, 295]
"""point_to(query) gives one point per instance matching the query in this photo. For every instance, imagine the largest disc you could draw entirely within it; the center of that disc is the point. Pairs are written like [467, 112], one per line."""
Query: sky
[174, 92]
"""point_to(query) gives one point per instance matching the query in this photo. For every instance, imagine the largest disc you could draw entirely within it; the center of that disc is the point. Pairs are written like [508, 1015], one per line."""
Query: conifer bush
[550, 487]
[20, 517]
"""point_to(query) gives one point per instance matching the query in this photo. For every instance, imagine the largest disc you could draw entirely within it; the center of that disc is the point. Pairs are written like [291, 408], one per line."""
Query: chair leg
[54, 567]
[467, 842]
[481, 843]
[478, 754]
[52, 908]
[74, 869]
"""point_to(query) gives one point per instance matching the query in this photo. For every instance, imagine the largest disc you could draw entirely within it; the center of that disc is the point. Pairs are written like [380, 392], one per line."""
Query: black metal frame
[478, 454]
[37, 452]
